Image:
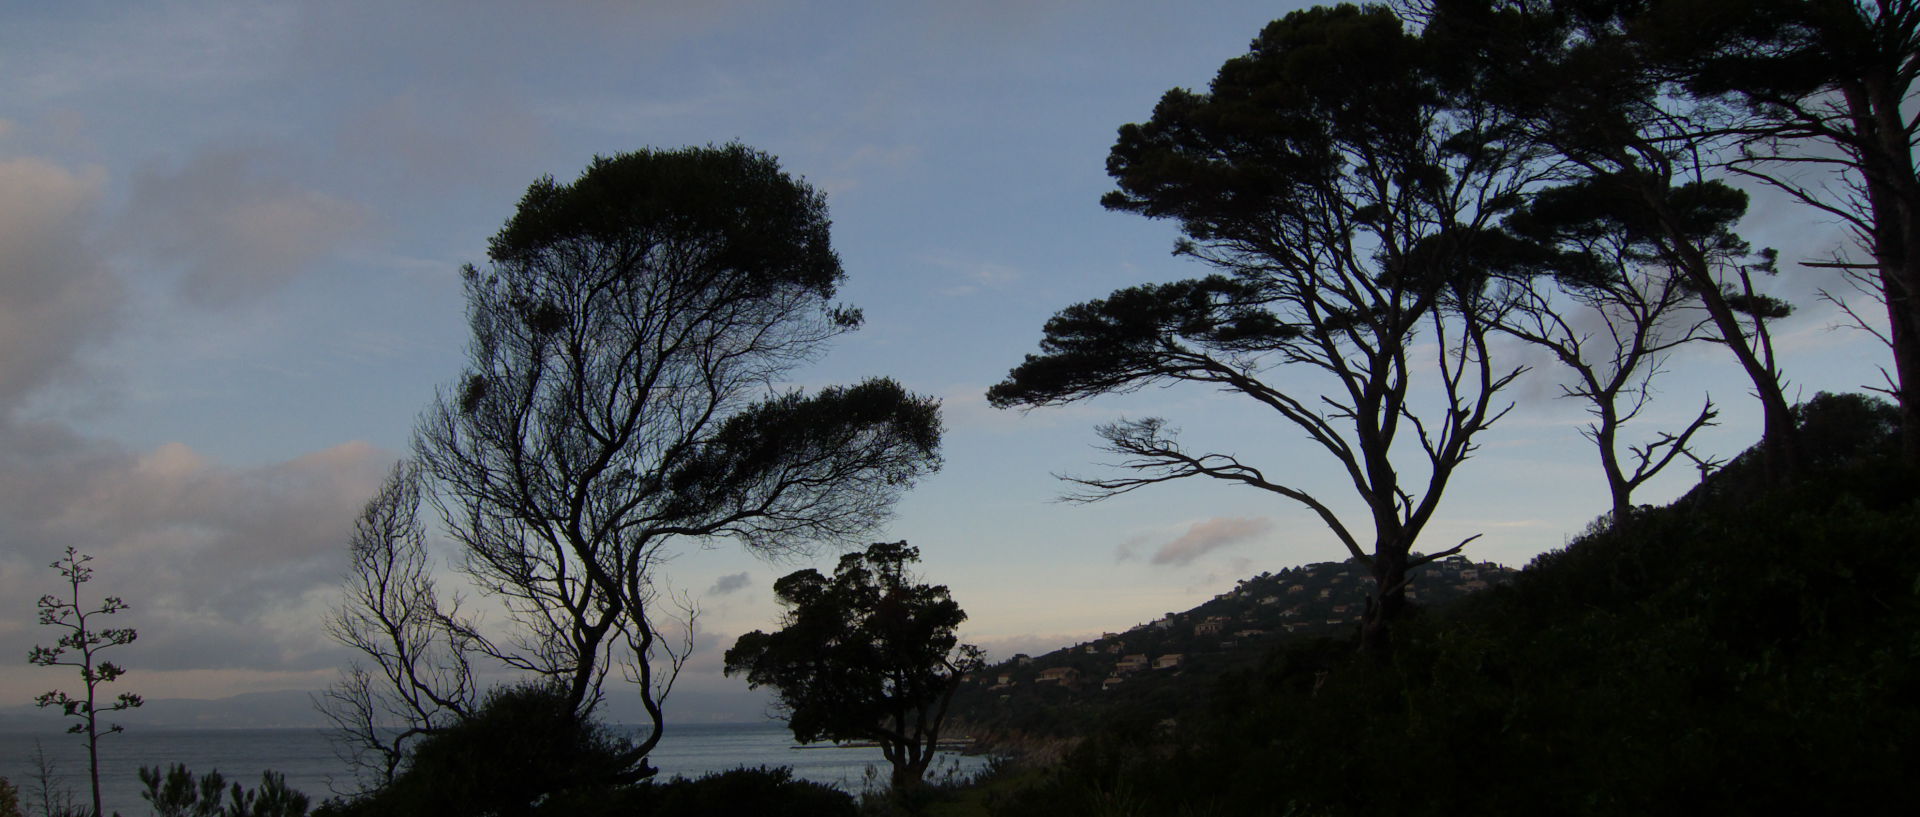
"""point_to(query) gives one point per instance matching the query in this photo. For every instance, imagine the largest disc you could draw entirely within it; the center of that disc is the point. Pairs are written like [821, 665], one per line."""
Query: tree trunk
[1387, 603]
[1619, 487]
[93, 754]
[1904, 321]
[1893, 197]
[1780, 438]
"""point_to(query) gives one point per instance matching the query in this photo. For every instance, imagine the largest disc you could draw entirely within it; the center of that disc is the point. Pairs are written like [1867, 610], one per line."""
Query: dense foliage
[870, 654]
[525, 745]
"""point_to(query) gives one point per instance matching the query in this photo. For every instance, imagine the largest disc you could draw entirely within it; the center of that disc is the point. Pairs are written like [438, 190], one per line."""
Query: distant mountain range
[254, 710]
[294, 710]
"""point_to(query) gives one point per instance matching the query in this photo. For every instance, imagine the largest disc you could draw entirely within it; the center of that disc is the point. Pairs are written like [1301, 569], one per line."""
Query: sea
[312, 765]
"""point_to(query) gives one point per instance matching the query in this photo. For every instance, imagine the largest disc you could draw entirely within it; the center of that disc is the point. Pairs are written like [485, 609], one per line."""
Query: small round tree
[866, 655]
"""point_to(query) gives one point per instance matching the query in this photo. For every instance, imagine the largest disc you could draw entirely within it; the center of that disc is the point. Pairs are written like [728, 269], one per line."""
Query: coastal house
[1064, 676]
[1132, 663]
[1168, 661]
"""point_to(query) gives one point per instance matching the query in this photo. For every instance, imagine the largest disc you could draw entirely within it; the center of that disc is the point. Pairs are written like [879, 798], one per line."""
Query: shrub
[180, 793]
[523, 746]
[9, 799]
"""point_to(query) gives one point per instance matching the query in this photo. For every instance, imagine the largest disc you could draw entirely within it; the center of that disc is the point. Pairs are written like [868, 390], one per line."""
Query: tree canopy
[630, 335]
[869, 654]
[1351, 205]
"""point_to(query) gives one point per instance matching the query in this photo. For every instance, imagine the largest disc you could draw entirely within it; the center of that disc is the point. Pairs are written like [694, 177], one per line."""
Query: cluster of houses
[1071, 677]
[1320, 599]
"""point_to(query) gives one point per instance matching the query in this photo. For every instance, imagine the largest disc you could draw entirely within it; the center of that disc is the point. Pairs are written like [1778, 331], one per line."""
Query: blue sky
[230, 235]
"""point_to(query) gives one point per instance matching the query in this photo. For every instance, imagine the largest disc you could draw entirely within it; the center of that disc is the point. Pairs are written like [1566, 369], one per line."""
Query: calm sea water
[307, 758]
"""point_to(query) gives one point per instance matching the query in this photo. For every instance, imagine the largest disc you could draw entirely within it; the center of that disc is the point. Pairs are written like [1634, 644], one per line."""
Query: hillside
[1748, 649]
[1173, 659]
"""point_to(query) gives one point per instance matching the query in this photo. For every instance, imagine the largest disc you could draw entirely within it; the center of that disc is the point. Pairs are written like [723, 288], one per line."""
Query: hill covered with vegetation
[1153, 667]
[1746, 649]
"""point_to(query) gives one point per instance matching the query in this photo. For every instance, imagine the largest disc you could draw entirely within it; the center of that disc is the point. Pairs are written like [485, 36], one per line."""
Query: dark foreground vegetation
[1747, 649]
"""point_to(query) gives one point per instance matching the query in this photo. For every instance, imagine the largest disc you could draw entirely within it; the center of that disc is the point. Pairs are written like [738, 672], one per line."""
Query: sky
[230, 236]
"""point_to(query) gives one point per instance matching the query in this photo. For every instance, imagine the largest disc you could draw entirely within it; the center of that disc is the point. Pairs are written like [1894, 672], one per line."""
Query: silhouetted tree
[1353, 205]
[1610, 314]
[418, 673]
[621, 397]
[869, 654]
[1824, 89]
[80, 646]
[1573, 79]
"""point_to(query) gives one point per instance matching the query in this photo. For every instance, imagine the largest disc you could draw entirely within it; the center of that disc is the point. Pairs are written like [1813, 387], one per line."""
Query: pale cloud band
[1209, 535]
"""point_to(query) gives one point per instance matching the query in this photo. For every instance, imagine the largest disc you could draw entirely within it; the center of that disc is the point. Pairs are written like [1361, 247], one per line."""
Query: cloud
[1208, 535]
[728, 584]
[975, 276]
[236, 229]
[224, 567]
[57, 295]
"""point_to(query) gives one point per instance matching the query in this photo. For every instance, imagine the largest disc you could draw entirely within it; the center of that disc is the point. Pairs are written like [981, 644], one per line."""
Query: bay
[308, 758]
